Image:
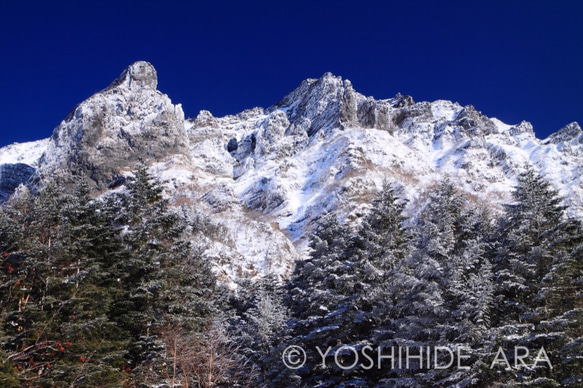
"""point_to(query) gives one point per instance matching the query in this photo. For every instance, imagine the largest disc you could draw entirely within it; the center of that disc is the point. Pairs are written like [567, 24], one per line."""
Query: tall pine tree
[538, 272]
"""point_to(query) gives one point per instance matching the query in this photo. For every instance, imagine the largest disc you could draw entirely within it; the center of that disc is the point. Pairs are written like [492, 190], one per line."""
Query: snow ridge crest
[263, 178]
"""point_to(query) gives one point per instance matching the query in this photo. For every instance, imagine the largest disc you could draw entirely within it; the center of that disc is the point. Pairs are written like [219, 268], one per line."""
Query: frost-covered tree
[164, 281]
[433, 263]
[315, 280]
[538, 278]
[341, 295]
[444, 286]
[383, 242]
[524, 256]
[328, 299]
[259, 324]
[382, 237]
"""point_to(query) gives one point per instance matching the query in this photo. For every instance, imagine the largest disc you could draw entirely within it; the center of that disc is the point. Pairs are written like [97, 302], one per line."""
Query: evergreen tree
[59, 327]
[326, 298]
[164, 281]
[87, 286]
[96, 346]
[538, 272]
[443, 288]
[433, 263]
[384, 242]
[341, 296]
[37, 290]
[382, 236]
[259, 325]
[524, 258]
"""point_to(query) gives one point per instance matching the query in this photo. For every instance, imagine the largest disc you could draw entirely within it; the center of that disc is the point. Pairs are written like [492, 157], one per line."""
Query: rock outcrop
[114, 129]
[258, 181]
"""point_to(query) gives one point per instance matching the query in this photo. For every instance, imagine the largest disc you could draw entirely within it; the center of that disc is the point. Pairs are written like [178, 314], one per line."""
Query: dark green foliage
[87, 286]
[111, 293]
[164, 281]
[56, 322]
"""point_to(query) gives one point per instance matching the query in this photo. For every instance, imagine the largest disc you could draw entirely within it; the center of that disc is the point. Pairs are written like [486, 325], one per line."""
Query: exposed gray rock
[406, 116]
[114, 129]
[474, 123]
[221, 198]
[374, 114]
[139, 75]
[271, 133]
[570, 133]
[267, 196]
[298, 132]
[523, 128]
[245, 147]
[328, 102]
[205, 119]
[263, 177]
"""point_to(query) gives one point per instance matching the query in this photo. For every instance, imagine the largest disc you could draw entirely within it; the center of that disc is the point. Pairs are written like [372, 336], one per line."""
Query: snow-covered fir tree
[538, 284]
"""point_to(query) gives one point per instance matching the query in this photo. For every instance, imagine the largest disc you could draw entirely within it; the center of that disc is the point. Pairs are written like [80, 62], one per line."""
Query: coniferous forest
[117, 291]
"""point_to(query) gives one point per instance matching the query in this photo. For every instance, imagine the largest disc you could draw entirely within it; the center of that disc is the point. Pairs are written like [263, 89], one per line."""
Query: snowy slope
[260, 179]
[27, 153]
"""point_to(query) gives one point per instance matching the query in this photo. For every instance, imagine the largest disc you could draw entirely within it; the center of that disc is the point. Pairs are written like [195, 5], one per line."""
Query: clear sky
[514, 60]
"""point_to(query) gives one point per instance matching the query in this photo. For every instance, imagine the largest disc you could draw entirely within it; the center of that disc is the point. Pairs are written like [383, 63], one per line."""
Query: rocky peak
[473, 122]
[328, 102]
[261, 177]
[523, 128]
[113, 129]
[138, 75]
[569, 133]
[204, 119]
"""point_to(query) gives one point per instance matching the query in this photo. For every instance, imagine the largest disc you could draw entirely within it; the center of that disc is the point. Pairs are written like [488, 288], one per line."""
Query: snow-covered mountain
[261, 178]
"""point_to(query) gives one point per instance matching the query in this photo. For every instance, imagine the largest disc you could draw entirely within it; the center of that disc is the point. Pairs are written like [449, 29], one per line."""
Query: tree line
[117, 292]
[101, 293]
[498, 298]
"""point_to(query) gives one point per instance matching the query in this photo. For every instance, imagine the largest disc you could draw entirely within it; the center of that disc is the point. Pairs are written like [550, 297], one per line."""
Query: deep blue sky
[515, 60]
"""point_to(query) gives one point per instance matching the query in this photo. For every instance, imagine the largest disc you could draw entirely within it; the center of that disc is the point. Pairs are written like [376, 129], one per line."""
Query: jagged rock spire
[110, 131]
[140, 74]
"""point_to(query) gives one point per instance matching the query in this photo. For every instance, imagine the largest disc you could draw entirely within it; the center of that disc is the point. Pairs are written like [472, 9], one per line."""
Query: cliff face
[261, 178]
[113, 129]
